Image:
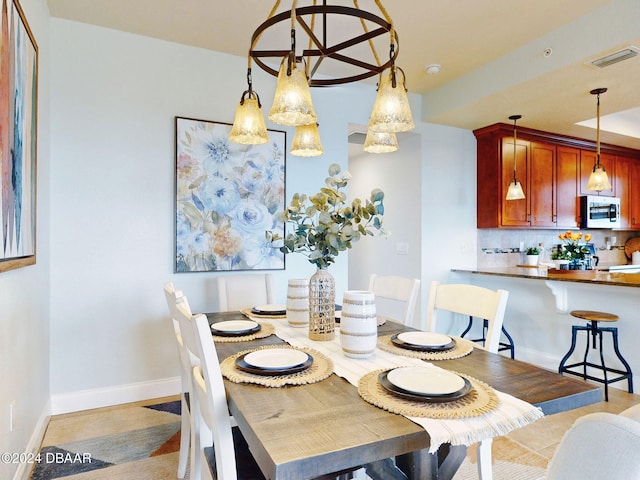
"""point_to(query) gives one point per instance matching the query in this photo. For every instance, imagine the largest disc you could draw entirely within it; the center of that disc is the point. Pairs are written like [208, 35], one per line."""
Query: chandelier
[340, 45]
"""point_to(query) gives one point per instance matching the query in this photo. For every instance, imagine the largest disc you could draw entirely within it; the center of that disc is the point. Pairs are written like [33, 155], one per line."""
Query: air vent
[615, 57]
[357, 138]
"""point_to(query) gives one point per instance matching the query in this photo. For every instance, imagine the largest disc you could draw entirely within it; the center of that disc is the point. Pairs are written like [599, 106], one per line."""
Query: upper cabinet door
[515, 212]
[567, 199]
[634, 194]
[542, 181]
[587, 161]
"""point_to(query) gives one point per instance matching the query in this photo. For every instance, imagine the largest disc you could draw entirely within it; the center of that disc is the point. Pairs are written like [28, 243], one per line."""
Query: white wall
[398, 175]
[24, 293]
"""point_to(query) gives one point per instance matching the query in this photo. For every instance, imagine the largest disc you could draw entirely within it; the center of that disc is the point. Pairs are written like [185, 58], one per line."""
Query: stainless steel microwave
[599, 212]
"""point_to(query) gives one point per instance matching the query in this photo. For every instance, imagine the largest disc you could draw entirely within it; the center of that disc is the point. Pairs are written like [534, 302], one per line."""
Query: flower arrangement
[571, 250]
[324, 224]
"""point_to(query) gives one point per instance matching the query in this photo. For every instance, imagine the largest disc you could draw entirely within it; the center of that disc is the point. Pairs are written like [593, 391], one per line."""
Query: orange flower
[587, 237]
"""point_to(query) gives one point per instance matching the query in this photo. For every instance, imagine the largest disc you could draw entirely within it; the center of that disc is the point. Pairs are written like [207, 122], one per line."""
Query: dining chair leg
[485, 471]
[185, 438]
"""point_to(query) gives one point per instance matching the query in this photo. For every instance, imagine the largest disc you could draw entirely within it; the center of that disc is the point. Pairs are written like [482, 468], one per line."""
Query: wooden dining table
[307, 431]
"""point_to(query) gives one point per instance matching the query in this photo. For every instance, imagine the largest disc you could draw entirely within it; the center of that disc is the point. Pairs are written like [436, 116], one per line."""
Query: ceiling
[497, 57]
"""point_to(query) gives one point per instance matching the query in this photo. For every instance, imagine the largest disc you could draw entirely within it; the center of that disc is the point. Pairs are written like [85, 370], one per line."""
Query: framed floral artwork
[227, 196]
[18, 128]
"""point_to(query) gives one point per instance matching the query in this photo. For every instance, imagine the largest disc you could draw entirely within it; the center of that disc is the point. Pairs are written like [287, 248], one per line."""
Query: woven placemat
[482, 399]
[460, 349]
[320, 369]
[266, 330]
[249, 313]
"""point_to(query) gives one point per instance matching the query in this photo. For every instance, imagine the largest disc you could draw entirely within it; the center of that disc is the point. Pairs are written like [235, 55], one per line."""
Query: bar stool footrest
[623, 374]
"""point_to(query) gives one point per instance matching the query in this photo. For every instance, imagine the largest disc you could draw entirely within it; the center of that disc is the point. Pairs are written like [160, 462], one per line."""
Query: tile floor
[528, 448]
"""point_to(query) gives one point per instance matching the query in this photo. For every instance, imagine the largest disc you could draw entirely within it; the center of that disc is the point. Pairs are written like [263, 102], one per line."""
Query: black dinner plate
[401, 392]
[257, 311]
[421, 348]
[241, 364]
[235, 333]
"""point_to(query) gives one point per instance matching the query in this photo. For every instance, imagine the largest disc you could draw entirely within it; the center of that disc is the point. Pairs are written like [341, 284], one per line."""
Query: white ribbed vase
[298, 302]
[358, 324]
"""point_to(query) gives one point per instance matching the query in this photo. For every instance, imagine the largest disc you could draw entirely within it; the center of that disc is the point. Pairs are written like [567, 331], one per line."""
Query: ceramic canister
[298, 302]
[358, 324]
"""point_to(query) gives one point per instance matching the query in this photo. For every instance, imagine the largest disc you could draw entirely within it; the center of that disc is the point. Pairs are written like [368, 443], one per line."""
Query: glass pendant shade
[249, 127]
[306, 141]
[380, 142]
[598, 180]
[515, 191]
[391, 111]
[292, 105]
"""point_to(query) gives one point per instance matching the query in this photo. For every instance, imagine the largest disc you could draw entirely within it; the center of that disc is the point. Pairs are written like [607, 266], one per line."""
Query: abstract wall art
[18, 127]
[227, 196]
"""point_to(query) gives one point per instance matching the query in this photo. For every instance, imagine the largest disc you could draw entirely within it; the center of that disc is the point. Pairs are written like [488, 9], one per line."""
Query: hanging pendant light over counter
[598, 180]
[515, 191]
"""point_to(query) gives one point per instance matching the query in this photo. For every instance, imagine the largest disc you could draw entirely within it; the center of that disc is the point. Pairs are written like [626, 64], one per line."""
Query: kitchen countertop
[542, 273]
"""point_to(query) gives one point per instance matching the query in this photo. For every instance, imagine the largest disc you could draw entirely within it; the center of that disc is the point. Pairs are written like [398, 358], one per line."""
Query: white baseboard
[551, 362]
[535, 357]
[114, 395]
[33, 447]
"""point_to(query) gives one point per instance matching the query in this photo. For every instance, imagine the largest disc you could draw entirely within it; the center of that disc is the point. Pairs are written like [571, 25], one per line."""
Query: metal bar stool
[596, 332]
[509, 345]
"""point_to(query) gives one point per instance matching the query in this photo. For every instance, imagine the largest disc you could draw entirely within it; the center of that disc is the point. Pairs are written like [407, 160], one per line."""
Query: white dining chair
[187, 361]
[470, 301]
[216, 442]
[237, 292]
[479, 302]
[395, 296]
[599, 445]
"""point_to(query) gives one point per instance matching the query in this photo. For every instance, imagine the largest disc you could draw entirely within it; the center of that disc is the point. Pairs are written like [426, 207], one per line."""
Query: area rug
[125, 451]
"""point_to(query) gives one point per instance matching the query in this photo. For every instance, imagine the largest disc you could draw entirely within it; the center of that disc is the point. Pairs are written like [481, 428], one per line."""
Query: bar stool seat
[593, 317]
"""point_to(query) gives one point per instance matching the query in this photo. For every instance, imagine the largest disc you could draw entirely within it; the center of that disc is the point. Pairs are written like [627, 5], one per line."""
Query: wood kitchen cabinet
[627, 187]
[538, 169]
[554, 171]
[567, 198]
[634, 194]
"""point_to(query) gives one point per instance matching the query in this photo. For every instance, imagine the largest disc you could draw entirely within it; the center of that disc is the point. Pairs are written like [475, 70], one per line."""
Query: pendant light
[380, 142]
[391, 111]
[515, 191]
[306, 141]
[598, 180]
[248, 126]
[292, 104]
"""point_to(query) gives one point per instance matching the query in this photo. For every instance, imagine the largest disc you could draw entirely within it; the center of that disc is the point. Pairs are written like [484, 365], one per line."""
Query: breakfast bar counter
[539, 305]
[601, 277]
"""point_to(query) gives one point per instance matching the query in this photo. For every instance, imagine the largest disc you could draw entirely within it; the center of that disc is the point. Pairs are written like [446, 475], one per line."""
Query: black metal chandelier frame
[319, 49]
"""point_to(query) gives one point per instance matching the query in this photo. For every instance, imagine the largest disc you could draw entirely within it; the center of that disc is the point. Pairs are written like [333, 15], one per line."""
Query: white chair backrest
[237, 292]
[212, 401]
[395, 296]
[469, 300]
[174, 298]
[187, 362]
[598, 445]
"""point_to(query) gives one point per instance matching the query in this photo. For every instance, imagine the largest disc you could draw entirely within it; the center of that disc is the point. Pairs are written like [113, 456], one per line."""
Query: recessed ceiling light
[432, 69]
